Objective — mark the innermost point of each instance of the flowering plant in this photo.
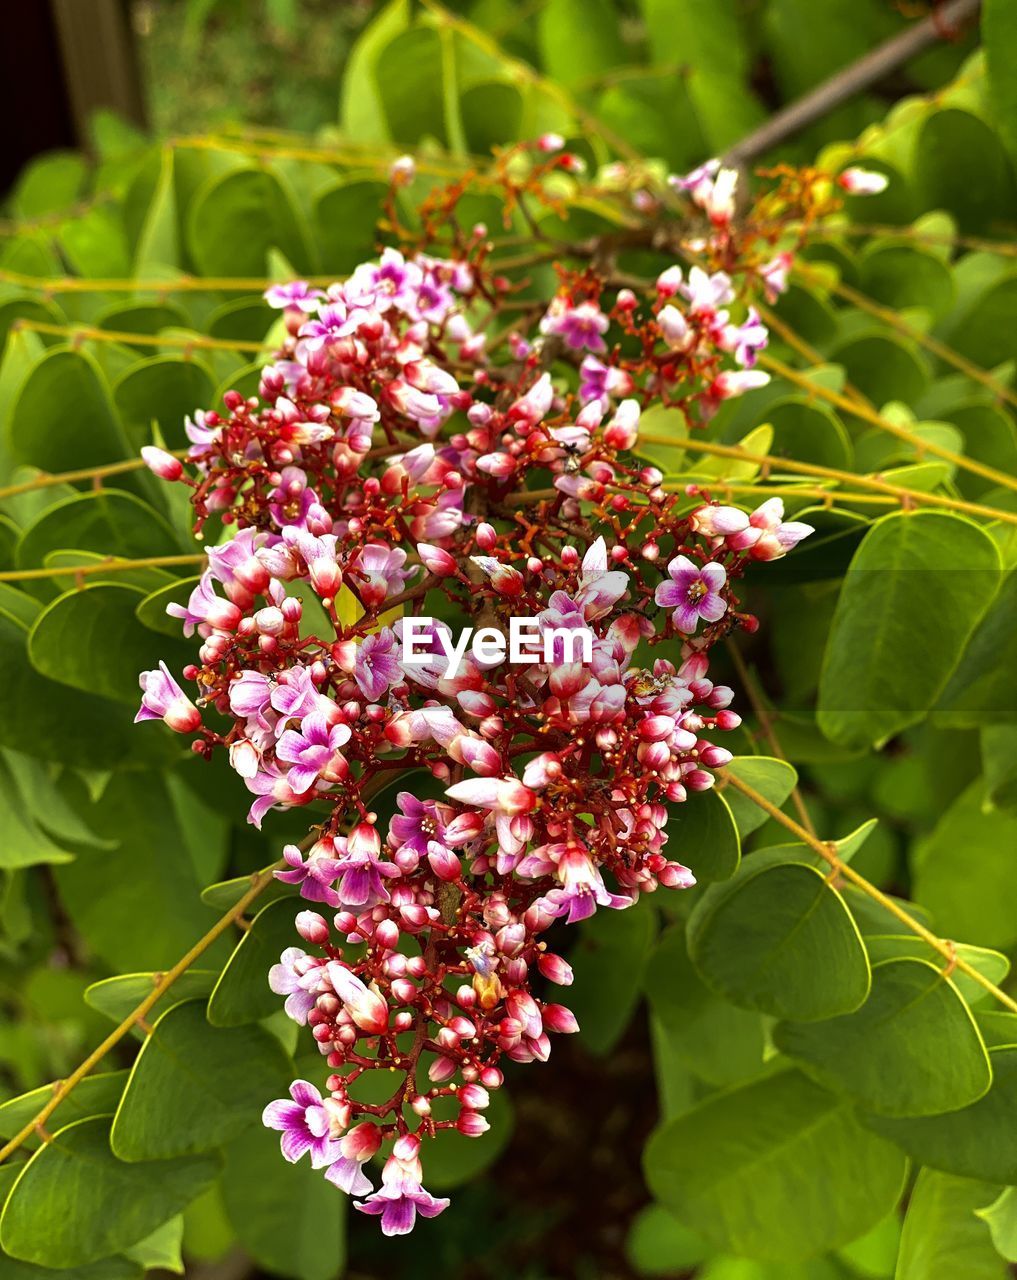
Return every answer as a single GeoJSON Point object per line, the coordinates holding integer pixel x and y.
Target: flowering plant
{"type": "Point", "coordinates": [390, 460]}
{"type": "Point", "coordinates": [598, 619]}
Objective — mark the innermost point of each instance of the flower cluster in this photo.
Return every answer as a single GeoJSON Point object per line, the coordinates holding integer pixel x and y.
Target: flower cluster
{"type": "Point", "coordinates": [399, 462]}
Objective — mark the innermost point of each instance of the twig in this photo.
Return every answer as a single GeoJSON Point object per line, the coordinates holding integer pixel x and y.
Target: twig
{"type": "Point", "coordinates": [259, 883]}
{"type": "Point", "coordinates": [89, 333]}
{"type": "Point", "coordinates": [890, 317]}
{"type": "Point", "coordinates": [916, 497]}
{"type": "Point", "coordinates": [844, 869]}
{"type": "Point", "coordinates": [111, 565]}
{"type": "Point", "coordinates": [852, 80]}
{"type": "Point", "coordinates": [878, 420]}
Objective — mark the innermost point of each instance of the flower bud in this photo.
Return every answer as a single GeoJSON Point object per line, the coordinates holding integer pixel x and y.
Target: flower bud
{"type": "Point", "coordinates": [161, 463]}
{"type": "Point", "coordinates": [312, 927]}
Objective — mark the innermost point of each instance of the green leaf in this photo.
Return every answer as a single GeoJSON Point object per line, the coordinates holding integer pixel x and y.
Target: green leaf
{"type": "Point", "coordinates": [227, 893]}
{"type": "Point", "coordinates": [49, 184]}
{"type": "Point", "coordinates": [346, 220]}
{"type": "Point", "coordinates": [93, 1096]}
{"type": "Point", "coordinates": [578, 40]}
{"type": "Point", "coordinates": [960, 166]}
{"type": "Point", "coordinates": [883, 367]}
{"type": "Point", "coordinates": [979, 1141]}
{"type": "Point", "coordinates": [137, 906]}
{"type": "Point", "coordinates": [117, 997]}
{"type": "Point", "coordinates": [730, 1168]}
{"type": "Point", "coordinates": [104, 520]}
{"type": "Point", "coordinates": [242, 993]}
{"type": "Point", "coordinates": [193, 1086]}
{"type": "Point", "coordinates": [774, 779]}
{"type": "Point", "coordinates": [999, 756]}
{"type": "Point", "coordinates": [454, 1160]}
{"type": "Point", "coordinates": [993, 964]}
{"type": "Point", "coordinates": [361, 110]}
{"type": "Point", "coordinates": [902, 275]}
{"type": "Point", "coordinates": [1001, 1216]}
{"type": "Point", "coordinates": [492, 115]}
{"type": "Point", "coordinates": [808, 432]}
{"type": "Point", "coordinates": [288, 1218]}
{"type": "Point", "coordinates": [157, 244]}
{"type": "Point", "coordinates": [943, 1239]}
{"type": "Point", "coordinates": [999, 36]}
{"type": "Point", "coordinates": [963, 871]}
{"type": "Point", "coordinates": [164, 389]}
{"type": "Point", "coordinates": [52, 722]}
{"type": "Point", "coordinates": [694, 1028]}
{"type": "Point", "coordinates": [25, 841]}
{"type": "Point", "coordinates": [161, 1250]}
{"type": "Point", "coordinates": [704, 836]}
{"type": "Point", "coordinates": [658, 1244]}
{"type": "Point", "coordinates": [981, 689]}
{"type": "Point", "coordinates": [874, 1255]}
{"type": "Point", "coordinates": [609, 961]}
{"type": "Point", "coordinates": [90, 639]}
{"type": "Point", "coordinates": [44, 432]}
{"type": "Point", "coordinates": [236, 219]}
{"type": "Point", "coordinates": [932, 569]}
{"type": "Point", "coordinates": [410, 87]}
{"type": "Point", "coordinates": [912, 1049]}
{"type": "Point", "coordinates": [108, 1269]}
{"type": "Point", "coordinates": [778, 937]}
{"type": "Point", "coordinates": [151, 612]}
{"type": "Point", "coordinates": [706, 34]}
{"type": "Point", "coordinates": [75, 1202]}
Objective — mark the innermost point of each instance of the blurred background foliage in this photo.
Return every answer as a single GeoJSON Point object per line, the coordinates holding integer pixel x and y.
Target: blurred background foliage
{"type": "Point", "coordinates": [126, 301]}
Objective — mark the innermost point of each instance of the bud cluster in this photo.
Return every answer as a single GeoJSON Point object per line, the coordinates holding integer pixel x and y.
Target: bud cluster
{"type": "Point", "coordinates": [398, 461]}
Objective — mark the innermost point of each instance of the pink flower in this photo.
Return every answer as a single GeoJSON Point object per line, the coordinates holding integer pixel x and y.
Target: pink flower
{"type": "Point", "coordinates": [204, 609]}
{"type": "Point", "coordinates": [376, 668]}
{"type": "Point", "coordinates": [768, 536]}
{"type": "Point", "coordinates": [367, 1009]}
{"type": "Point", "coordinates": [401, 1196]}
{"type": "Point", "coordinates": [305, 1125]}
{"type": "Point", "coordinates": [287, 979]}
{"type": "Point", "coordinates": [163, 699]}
{"type": "Point", "coordinates": [313, 751]}
{"type": "Point", "coordinates": [581, 325]}
{"type": "Point", "coordinates": [692, 593]}
{"type": "Point", "coordinates": [315, 876]}
{"type": "Point", "coordinates": [378, 573]}
{"type": "Point", "coordinates": [297, 294]}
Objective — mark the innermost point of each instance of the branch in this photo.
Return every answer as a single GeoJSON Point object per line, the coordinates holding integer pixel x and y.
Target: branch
{"type": "Point", "coordinates": [889, 317]}
{"type": "Point", "coordinates": [259, 883]}
{"type": "Point", "coordinates": [844, 869]}
{"type": "Point", "coordinates": [766, 461]}
{"type": "Point", "coordinates": [853, 80]}
{"type": "Point", "coordinates": [112, 565]}
{"type": "Point", "coordinates": [892, 428]}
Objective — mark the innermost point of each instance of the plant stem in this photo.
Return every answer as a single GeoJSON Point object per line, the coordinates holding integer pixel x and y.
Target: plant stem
{"type": "Point", "coordinates": [45, 478]}
{"type": "Point", "coordinates": [259, 883]}
{"type": "Point", "coordinates": [89, 333]}
{"type": "Point", "coordinates": [844, 869]}
{"type": "Point", "coordinates": [852, 80]}
{"type": "Point", "coordinates": [767, 460]}
{"type": "Point", "coordinates": [878, 420]}
{"type": "Point", "coordinates": [940, 349]}
{"type": "Point", "coordinates": [111, 565]}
